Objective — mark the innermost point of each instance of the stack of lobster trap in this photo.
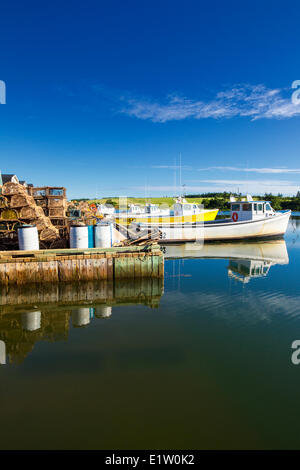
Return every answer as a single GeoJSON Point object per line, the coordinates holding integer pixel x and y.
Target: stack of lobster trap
{"type": "Point", "coordinates": [53, 201]}
{"type": "Point", "coordinates": [43, 207]}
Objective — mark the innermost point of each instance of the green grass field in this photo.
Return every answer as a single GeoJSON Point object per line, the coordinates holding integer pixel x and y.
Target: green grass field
{"type": "Point", "coordinates": [211, 201]}
{"type": "Point", "coordinates": [169, 201]}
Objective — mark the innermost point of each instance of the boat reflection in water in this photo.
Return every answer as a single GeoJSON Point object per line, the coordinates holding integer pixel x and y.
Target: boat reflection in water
{"type": "Point", "coordinates": [45, 312]}
{"type": "Point", "coordinates": [243, 270]}
{"type": "Point", "coordinates": [246, 260]}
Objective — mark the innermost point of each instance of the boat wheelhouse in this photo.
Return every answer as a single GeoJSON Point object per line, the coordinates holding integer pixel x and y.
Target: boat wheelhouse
{"type": "Point", "coordinates": [251, 210]}
{"type": "Point", "coordinates": [154, 210]}
{"type": "Point", "coordinates": [136, 209]}
{"type": "Point", "coordinates": [184, 208]}
{"type": "Point", "coordinates": [105, 209]}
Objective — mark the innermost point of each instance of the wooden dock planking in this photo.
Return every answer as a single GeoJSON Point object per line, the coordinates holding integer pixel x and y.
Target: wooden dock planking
{"type": "Point", "coordinates": [21, 267]}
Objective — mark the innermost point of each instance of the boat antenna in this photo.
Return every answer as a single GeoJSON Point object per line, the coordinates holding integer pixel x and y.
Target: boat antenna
{"type": "Point", "coordinates": [180, 174]}
{"type": "Point", "coordinates": [175, 177]}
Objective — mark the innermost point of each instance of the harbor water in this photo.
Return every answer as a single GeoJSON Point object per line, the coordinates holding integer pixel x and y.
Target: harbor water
{"type": "Point", "coordinates": [205, 361]}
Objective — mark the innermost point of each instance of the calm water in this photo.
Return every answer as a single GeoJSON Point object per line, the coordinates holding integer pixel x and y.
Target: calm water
{"type": "Point", "coordinates": [203, 362]}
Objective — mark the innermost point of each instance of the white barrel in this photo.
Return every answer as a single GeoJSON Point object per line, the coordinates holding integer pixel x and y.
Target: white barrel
{"type": "Point", "coordinates": [2, 353]}
{"type": "Point", "coordinates": [31, 321]}
{"type": "Point", "coordinates": [104, 235]}
{"type": "Point", "coordinates": [28, 238]}
{"type": "Point", "coordinates": [103, 311]}
{"type": "Point", "coordinates": [79, 236]}
{"type": "Point", "coordinates": [81, 317]}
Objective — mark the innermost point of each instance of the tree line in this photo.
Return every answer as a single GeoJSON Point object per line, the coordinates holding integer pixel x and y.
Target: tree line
{"type": "Point", "coordinates": [221, 200]}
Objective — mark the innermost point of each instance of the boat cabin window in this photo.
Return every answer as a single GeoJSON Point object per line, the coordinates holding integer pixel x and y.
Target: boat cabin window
{"type": "Point", "coordinates": [235, 207]}
{"type": "Point", "coordinates": [247, 207]}
{"type": "Point", "coordinates": [259, 207]}
{"type": "Point", "coordinates": [255, 207]}
{"type": "Point", "coordinates": [268, 207]}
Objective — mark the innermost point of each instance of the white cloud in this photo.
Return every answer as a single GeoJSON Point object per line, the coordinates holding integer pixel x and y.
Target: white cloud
{"type": "Point", "coordinates": [263, 182]}
{"type": "Point", "coordinates": [254, 170]}
{"type": "Point", "coordinates": [254, 101]}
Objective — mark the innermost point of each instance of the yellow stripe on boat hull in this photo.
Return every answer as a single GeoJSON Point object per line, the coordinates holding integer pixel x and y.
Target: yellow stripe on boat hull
{"type": "Point", "coordinates": [165, 219]}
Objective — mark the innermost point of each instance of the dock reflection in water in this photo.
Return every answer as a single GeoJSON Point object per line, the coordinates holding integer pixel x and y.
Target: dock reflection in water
{"type": "Point", "coordinates": [209, 368]}
{"type": "Point", "coordinates": [45, 312]}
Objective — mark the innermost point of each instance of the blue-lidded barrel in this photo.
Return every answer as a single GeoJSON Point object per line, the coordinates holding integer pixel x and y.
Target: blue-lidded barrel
{"type": "Point", "coordinates": [79, 236]}
{"type": "Point", "coordinates": [91, 236]}
{"type": "Point", "coordinates": [28, 238]}
{"type": "Point", "coordinates": [92, 313]}
{"type": "Point", "coordinates": [104, 235]}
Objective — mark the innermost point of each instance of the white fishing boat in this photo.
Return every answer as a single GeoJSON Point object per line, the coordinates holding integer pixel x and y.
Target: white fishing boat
{"type": "Point", "coordinates": [136, 209]}
{"type": "Point", "coordinates": [104, 209]}
{"type": "Point", "coordinates": [149, 210]}
{"type": "Point", "coordinates": [183, 212]}
{"type": "Point", "coordinates": [248, 220]}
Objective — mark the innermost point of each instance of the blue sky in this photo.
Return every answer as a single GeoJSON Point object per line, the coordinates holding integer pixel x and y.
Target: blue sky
{"type": "Point", "coordinates": [103, 97]}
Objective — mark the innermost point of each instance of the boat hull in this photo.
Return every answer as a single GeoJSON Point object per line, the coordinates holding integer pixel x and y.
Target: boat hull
{"type": "Point", "coordinates": [155, 220]}
{"type": "Point", "coordinates": [269, 227]}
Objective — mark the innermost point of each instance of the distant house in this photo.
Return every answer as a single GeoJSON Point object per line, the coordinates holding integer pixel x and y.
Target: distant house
{"type": "Point", "coordinates": [9, 178]}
